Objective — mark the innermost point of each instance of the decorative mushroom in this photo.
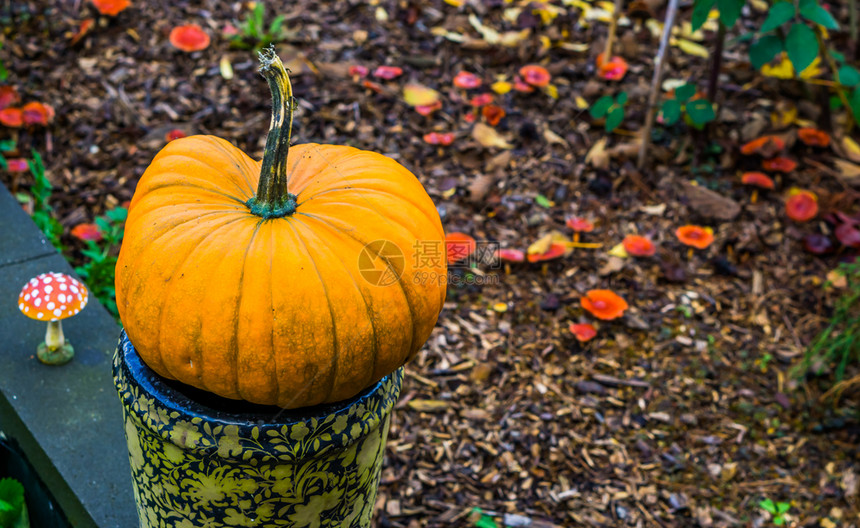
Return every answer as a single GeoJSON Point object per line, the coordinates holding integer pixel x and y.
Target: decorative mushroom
{"type": "Point", "coordinates": [466, 80]}
{"type": "Point", "coordinates": [508, 256]}
{"type": "Point", "coordinates": [759, 180]}
{"type": "Point", "coordinates": [555, 250]}
{"type": "Point", "coordinates": [779, 164]}
{"type": "Point", "coordinates": [767, 146]}
{"type": "Point", "coordinates": [111, 7]}
{"type": "Point", "coordinates": [535, 75]}
{"type": "Point", "coordinates": [612, 70]}
{"type": "Point", "coordinates": [801, 205]}
{"type": "Point", "coordinates": [52, 297]}
{"type": "Point", "coordinates": [583, 332]}
{"type": "Point", "coordinates": [813, 137]}
{"type": "Point", "coordinates": [604, 304]}
{"type": "Point", "coordinates": [579, 225]}
{"type": "Point", "coordinates": [695, 236]}
{"type": "Point", "coordinates": [189, 37]}
{"type": "Point", "coordinates": [639, 246]}
{"type": "Point", "coordinates": [458, 246]}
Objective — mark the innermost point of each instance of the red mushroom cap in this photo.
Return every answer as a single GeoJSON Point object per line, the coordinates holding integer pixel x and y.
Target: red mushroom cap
{"type": "Point", "coordinates": [111, 7]}
{"type": "Point", "coordinates": [357, 70]}
{"type": "Point", "coordinates": [779, 164]}
{"type": "Point", "coordinates": [481, 99]}
{"type": "Point", "coordinates": [604, 304]}
{"type": "Point", "coordinates": [189, 37]}
{"type": "Point", "coordinates": [583, 332]}
{"type": "Point", "coordinates": [758, 179]}
{"type": "Point", "coordinates": [493, 114]}
{"type": "Point", "coordinates": [801, 206]}
{"type": "Point", "coordinates": [12, 117]}
{"type": "Point", "coordinates": [467, 80]}
{"type": "Point", "coordinates": [535, 75]}
{"type": "Point", "coordinates": [458, 246]}
{"type": "Point", "coordinates": [388, 72]}
{"type": "Point", "coordinates": [614, 70]}
{"type": "Point", "coordinates": [639, 246]}
{"type": "Point", "coordinates": [37, 113]}
{"type": "Point", "coordinates": [17, 165]}
{"type": "Point", "coordinates": [814, 137]}
{"type": "Point", "coordinates": [555, 250]}
{"type": "Point", "coordinates": [437, 138]}
{"type": "Point", "coordinates": [8, 96]}
{"type": "Point", "coordinates": [174, 134]}
{"type": "Point", "coordinates": [696, 236]}
{"type": "Point", "coordinates": [522, 86]}
{"type": "Point", "coordinates": [765, 145]}
{"type": "Point", "coordinates": [52, 296]}
{"type": "Point", "coordinates": [580, 225]}
{"type": "Point", "coordinates": [511, 255]}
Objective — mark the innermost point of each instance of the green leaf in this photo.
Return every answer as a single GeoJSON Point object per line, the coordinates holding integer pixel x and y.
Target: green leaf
{"type": "Point", "coordinates": [849, 76]}
{"type": "Point", "coordinates": [817, 14]}
{"type": "Point", "coordinates": [685, 92]}
{"type": "Point", "coordinates": [835, 102]}
{"type": "Point", "coordinates": [855, 104]}
{"type": "Point", "coordinates": [730, 11]}
{"type": "Point", "coordinates": [764, 50]}
{"type": "Point", "coordinates": [801, 46]}
{"type": "Point", "coordinates": [601, 107]}
{"type": "Point", "coordinates": [621, 98]}
{"type": "Point", "coordinates": [701, 10]}
{"type": "Point", "coordinates": [614, 119]}
{"type": "Point", "coordinates": [783, 507]}
{"type": "Point", "coordinates": [777, 15]}
{"type": "Point", "coordinates": [543, 201]}
{"type": "Point", "coordinates": [836, 55]}
{"type": "Point", "coordinates": [4, 73]}
{"type": "Point", "coordinates": [779, 520]}
{"type": "Point", "coordinates": [7, 145]}
{"type": "Point", "coordinates": [671, 111]}
{"type": "Point", "coordinates": [117, 214]}
{"type": "Point", "coordinates": [701, 111]}
{"type": "Point", "coordinates": [486, 522]}
{"type": "Point", "coordinates": [768, 505]}
{"type": "Point", "coordinates": [11, 501]}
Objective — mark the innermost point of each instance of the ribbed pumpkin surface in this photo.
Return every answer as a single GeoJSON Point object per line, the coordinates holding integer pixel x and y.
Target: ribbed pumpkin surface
{"type": "Point", "coordinates": [278, 311]}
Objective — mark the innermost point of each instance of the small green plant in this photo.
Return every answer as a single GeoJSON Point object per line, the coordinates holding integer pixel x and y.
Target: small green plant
{"type": "Point", "coordinates": [697, 112]}
{"type": "Point", "coordinates": [776, 509]}
{"type": "Point", "coordinates": [611, 108]}
{"type": "Point", "coordinates": [4, 73]}
{"type": "Point", "coordinates": [840, 341]}
{"type": "Point", "coordinates": [253, 32]}
{"type": "Point", "coordinates": [11, 503]}
{"type": "Point", "coordinates": [99, 269]}
{"type": "Point", "coordinates": [41, 191]}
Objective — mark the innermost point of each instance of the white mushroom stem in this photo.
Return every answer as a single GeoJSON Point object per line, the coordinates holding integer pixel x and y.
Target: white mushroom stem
{"type": "Point", "coordinates": [54, 338]}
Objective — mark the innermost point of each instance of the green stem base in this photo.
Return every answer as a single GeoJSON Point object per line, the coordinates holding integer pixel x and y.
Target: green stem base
{"type": "Point", "coordinates": [58, 356]}
{"type": "Point", "coordinates": [268, 211]}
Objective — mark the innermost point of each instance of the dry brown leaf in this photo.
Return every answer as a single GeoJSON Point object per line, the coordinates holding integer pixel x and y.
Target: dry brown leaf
{"type": "Point", "coordinates": [850, 148]}
{"type": "Point", "coordinates": [551, 137]}
{"type": "Point", "coordinates": [597, 155]}
{"type": "Point", "coordinates": [428, 405]}
{"type": "Point", "coordinates": [487, 136]}
{"type": "Point", "coordinates": [850, 171]}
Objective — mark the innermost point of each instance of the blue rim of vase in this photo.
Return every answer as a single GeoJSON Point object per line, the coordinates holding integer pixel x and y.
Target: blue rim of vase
{"type": "Point", "coordinates": [255, 423]}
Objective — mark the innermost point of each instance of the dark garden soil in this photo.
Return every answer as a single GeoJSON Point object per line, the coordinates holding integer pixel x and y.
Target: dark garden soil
{"type": "Point", "coordinates": [681, 413]}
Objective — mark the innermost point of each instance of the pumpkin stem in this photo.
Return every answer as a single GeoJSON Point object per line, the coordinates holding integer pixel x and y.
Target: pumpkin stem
{"type": "Point", "coordinates": [273, 200]}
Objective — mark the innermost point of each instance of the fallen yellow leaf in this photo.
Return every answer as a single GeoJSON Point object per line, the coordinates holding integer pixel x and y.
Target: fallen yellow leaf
{"type": "Point", "coordinates": [619, 251]}
{"type": "Point", "coordinates": [501, 87]}
{"type": "Point", "coordinates": [428, 405]}
{"type": "Point", "coordinates": [419, 95]}
{"type": "Point", "coordinates": [691, 48]}
{"type": "Point", "coordinates": [852, 149]}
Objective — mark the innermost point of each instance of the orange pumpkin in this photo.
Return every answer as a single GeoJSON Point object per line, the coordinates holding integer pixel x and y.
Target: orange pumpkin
{"type": "Point", "coordinates": [281, 297]}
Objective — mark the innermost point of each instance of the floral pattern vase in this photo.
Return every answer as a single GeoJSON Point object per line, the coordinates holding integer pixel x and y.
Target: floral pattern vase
{"type": "Point", "coordinates": [195, 466]}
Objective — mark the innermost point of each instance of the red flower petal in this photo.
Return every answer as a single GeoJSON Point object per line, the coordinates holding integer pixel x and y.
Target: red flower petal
{"type": "Point", "coordinates": [438, 138]}
{"type": "Point", "coordinates": [37, 114]}
{"type": "Point", "coordinates": [87, 232]}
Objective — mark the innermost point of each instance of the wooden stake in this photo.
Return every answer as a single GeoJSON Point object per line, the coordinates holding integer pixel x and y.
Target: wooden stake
{"type": "Point", "coordinates": [655, 83]}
